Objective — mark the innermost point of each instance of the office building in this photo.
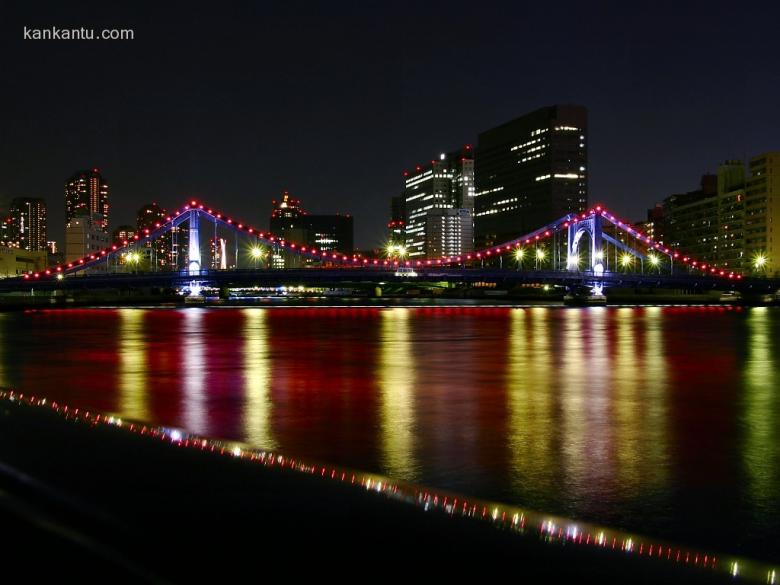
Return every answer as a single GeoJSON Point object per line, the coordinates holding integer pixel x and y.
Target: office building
{"type": "Point", "coordinates": [529, 172]}
{"type": "Point", "coordinates": [291, 222]}
{"type": "Point", "coordinates": [446, 184]}
{"type": "Point", "coordinates": [448, 232]}
{"type": "Point", "coordinates": [27, 227]}
{"type": "Point", "coordinates": [86, 194]}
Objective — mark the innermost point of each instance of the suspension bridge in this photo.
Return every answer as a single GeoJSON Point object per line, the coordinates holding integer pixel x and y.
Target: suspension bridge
{"type": "Point", "coordinates": [594, 249]}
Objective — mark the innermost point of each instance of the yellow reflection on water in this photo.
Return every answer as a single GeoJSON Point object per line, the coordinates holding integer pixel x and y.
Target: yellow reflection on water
{"type": "Point", "coordinates": [640, 409]}
{"type": "Point", "coordinates": [257, 380]}
{"type": "Point", "coordinates": [194, 406]}
{"type": "Point", "coordinates": [396, 377]}
{"type": "Point", "coordinates": [530, 400]}
{"type": "Point", "coordinates": [574, 401]}
{"type": "Point", "coordinates": [760, 386]}
{"type": "Point", "coordinates": [655, 410]}
{"type": "Point", "coordinates": [133, 366]}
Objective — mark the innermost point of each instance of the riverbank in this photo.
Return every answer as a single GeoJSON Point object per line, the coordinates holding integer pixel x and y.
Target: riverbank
{"type": "Point", "coordinates": [621, 298]}
{"type": "Point", "coordinates": [85, 494]}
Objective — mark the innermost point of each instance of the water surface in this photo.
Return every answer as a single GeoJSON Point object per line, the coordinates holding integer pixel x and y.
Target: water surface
{"type": "Point", "coordinates": [654, 420]}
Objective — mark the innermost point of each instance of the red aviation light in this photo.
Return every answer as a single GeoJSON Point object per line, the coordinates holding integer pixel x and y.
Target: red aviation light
{"type": "Point", "coordinates": [598, 208]}
{"type": "Point", "coordinates": [26, 276]}
{"type": "Point", "coordinates": [193, 203]}
{"type": "Point", "coordinates": [250, 230]}
{"type": "Point", "coordinates": [468, 257]}
{"type": "Point", "coordinates": [59, 268]}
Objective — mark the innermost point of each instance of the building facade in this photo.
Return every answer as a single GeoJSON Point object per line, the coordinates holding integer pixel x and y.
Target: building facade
{"type": "Point", "coordinates": [439, 195]}
{"type": "Point", "coordinates": [529, 172]}
{"type": "Point", "coordinates": [15, 261]}
{"type": "Point", "coordinates": [86, 194]}
{"type": "Point", "coordinates": [290, 222]}
{"type": "Point", "coordinates": [730, 220]}
{"type": "Point", "coordinates": [84, 236]}
{"type": "Point", "coordinates": [449, 232]}
{"type": "Point", "coordinates": [27, 227]}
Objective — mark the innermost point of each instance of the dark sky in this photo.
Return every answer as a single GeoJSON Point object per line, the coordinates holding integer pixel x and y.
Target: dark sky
{"type": "Point", "coordinates": [236, 101]}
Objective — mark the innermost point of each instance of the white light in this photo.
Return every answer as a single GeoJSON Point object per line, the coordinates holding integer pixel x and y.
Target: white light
{"type": "Point", "coordinates": [175, 435]}
{"type": "Point", "coordinates": [441, 156]}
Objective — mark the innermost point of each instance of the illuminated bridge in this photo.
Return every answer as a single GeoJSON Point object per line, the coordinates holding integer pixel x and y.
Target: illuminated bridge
{"type": "Point", "coordinates": [593, 249]}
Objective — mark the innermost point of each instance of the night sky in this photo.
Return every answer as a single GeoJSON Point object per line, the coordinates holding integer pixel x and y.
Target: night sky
{"type": "Point", "coordinates": [237, 101]}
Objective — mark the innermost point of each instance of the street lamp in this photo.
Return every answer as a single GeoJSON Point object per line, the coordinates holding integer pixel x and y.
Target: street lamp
{"type": "Point", "coordinates": [626, 260]}
{"type": "Point", "coordinates": [655, 261]}
{"type": "Point", "coordinates": [256, 253]}
{"type": "Point", "coordinates": [540, 256]}
{"type": "Point", "coordinates": [759, 261]}
{"type": "Point", "coordinates": [519, 255]}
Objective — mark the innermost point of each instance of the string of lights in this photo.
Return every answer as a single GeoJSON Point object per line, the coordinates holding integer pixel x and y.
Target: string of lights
{"type": "Point", "coordinates": [334, 257]}
{"type": "Point", "coordinates": [545, 527]}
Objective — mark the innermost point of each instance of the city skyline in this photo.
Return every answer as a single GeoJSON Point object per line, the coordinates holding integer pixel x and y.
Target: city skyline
{"type": "Point", "coordinates": [232, 126]}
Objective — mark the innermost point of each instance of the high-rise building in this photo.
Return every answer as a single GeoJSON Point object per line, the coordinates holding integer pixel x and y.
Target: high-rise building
{"type": "Point", "coordinates": [444, 185]}
{"type": "Point", "coordinates": [448, 232]}
{"type": "Point", "coordinates": [28, 223]}
{"type": "Point", "coordinates": [160, 251]}
{"type": "Point", "coordinates": [729, 221]}
{"type": "Point", "coordinates": [530, 171]}
{"type": "Point", "coordinates": [325, 232]}
{"type": "Point", "coordinates": [692, 218]}
{"type": "Point", "coordinates": [762, 213]}
{"type": "Point", "coordinates": [86, 194]}
{"type": "Point", "coordinates": [123, 234]}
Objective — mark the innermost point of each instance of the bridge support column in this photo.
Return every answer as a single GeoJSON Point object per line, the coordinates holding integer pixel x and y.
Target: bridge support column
{"type": "Point", "coordinates": [597, 250]}
{"type": "Point", "coordinates": [193, 264]}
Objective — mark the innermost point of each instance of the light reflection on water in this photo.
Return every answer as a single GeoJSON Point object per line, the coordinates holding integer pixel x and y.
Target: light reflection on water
{"type": "Point", "coordinates": [652, 419]}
